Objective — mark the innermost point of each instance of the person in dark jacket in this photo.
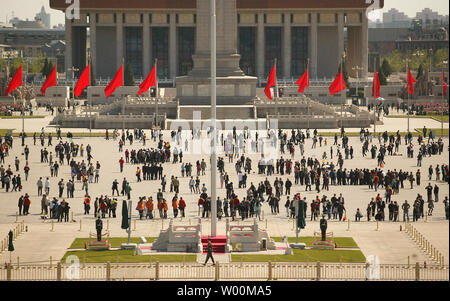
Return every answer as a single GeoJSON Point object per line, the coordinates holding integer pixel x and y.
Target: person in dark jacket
{"type": "Point", "coordinates": [209, 254]}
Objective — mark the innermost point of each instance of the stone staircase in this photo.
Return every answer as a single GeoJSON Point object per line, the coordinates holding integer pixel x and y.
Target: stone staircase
{"type": "Point", "coordinates": [218, 243]}
{"type": "Point", "coordinates": [222, 112]}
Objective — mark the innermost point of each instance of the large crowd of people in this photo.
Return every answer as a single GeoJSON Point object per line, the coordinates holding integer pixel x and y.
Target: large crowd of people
{"type": "Point", "coordinates": [285, 177]}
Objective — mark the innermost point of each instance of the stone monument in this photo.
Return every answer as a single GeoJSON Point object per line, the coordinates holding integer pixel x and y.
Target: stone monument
{"type": "Point", "coordinates": [98, 243]}
{"type": "Point", "coordinates": [233, 86]}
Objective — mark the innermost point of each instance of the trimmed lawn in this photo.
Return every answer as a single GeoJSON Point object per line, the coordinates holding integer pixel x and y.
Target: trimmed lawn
{"type": "Point", "coordinates": [437, 132]}
{"type": "Point", "coordinates": [63, 134]}
{"type": "Point", "coordinates": [342, 242]}
{"type": "Point", "coordinates": [125, 256]}
{"type": "Point", "coordinates": [115, 242]}
{"type": "Point", "coordinates": [20, 117]}
{"type": "Point", "coordinates": [306, 256]}
{"type": "Point", "coordinates": [438, 117]}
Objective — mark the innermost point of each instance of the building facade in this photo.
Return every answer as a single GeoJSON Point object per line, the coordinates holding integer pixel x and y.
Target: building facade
{"type": "Point", "coordinates": [292, 31]}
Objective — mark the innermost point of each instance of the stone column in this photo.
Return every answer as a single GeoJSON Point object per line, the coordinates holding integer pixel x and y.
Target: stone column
{"type": "Point", "coordinates": [313, 45]}
{"type": "Point", "coordinates": [364, 46]}
{"type": "Point", "coordinates": [340, 36]}
{"type": "Point", "coordinates": [202, 45]}
{"type": "Point", "coordinates": [146, 46]}
{"type": "Point", "coordinates": [287, 48]}
{"type": "Point", "coordinates": [68, 58]}
{"type": "Point", "coordinates": [260, 47]}
{"type": "Point", "coordinates": [173, 47]}
{"type": "Point", "coordinates": [93, 41]}
{"type": "Point", "coordinates": [119, 40]}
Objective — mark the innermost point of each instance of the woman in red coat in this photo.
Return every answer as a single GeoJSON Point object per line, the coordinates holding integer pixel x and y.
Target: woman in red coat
{"type": "Point", "coordinates": [182, 205]}
{"type": "Point", "coordinates": [26, 204]}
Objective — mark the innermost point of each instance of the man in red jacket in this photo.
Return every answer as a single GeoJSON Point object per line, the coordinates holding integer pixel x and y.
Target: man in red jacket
{"type": "Point", "coordinates": [182, 205]}
{"type": "Point", "coordinates": [121, 162]}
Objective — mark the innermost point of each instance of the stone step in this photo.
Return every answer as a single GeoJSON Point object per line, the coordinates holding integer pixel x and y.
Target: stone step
{"type": "Point", "coordinates": [222, 112]}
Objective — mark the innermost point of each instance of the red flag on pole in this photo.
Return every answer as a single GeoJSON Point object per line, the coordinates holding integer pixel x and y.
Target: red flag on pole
{"type": "Point", "coordinates": [303, 82]}
{"type": "Point", "coordinates": [16, 81]}
{"type": "Point", "coordinates": [376, 85]}
{"type": "Point", "coordinates": [270, 83]}
{"type": "Point", "coordinates": [444, 84]}
{"type": "Point", "coordinates": [50, 81]}
{"type": "Point", "coordinates": [410, 82]}
{"type": "Point", "coordinates": [338, 84]}
{"type": "Point", "coordinates": [116, 82]}
{"type": "Point", "coordinates": [149, 82]}
{"type": "Point", "coordinates": [83, 82]}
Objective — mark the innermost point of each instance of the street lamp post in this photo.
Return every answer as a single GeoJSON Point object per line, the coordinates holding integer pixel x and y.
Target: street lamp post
{"type": "Point", "coordinates": [357, 69]}
{"type": "Point", "coordinates": [73, 70]}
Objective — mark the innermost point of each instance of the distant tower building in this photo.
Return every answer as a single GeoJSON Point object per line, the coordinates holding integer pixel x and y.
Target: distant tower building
{"type": "Point", "coordinates": [44, 17]}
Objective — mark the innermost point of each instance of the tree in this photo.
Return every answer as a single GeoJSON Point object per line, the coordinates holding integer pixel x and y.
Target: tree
{"type": "Point", "coordinates": [37, 65]}
{"type": "Point", "coordinates": [382, 77]}
{"type": "Point", "coordinates": [440, 56]}
{"type": "Point", "coordinates": [419, 72]}
{"type": "Point", "coordinates": [344, 71]}
{"type": "Point", "coordinates": [50, 68]}
{"type": "Point", "coordinates": [129, 78]}
{"type": "Point", "coordinates": [15, 64]}
{"type": "Point", "coordinates": [387, 69]}
{"type": "Point", "coordinates": [92, 75]}
{"type": "Point", "coordinates": [44, 69]}
{"type": "Point", "coordinates": [395, 60]}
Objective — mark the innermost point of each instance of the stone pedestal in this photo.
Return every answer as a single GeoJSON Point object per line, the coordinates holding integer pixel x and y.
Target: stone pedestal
{"type": "Point", "coordinates": [231, 90]}
{"type": "Point", "coordinates": [99, 245]}
{"type": "Point", "coordinates": [233, 87]}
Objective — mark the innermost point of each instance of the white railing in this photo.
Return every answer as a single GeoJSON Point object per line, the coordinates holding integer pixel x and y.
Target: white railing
{"type": "Point", "coordinates": [224, 271]}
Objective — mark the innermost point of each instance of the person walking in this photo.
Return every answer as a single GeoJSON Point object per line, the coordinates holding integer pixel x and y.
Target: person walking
{"type": "Point", "coordinates": [209, 249]}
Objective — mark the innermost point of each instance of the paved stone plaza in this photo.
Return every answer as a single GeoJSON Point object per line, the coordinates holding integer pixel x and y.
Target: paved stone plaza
{"type": "Point", "coordinates": [388, 243]}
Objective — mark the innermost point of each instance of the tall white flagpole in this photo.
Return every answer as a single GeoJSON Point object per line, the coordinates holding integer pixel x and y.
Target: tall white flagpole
{"type": "Point", "coordinates": [213, 121]}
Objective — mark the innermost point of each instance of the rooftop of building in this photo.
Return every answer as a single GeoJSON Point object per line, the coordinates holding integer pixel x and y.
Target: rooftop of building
{"type": "Point", "coordinates": [191, 4]}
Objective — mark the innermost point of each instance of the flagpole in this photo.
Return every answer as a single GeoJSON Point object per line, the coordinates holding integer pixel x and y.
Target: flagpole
{"type": "Point", "coordinates": [90, 101]}
{"type": "Point", "coordinates": [442, 104]}
{"type": "Point", "coordinates": [213, 120]}
{"type": "Point", "coordinates": [156, 92]}
{"type": "Point", "coordinates": [342, 104]}
{"type": "Point", "coordinates": [443, 99]}
{"type": "Point", "coordinates": [276, 88]}
{"type": "Point", "coordinates": [374, 101]}
{"type": "Point", "coordinates": [309, 100]}
{"type": "Point", "coordinates": [123, 117]}
{"type": "Point", "coordinates": [407, 91]}
{"type": "Point", "coordinates": [23, 110]}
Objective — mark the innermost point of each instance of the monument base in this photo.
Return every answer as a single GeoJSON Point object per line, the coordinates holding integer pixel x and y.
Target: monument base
{"type": "Point", "coordinates": [323, 245]}
{"type": "Point", "coordinates": [230, 90]}
{"type": "Point", "coordinates": [99, 245]}
{"type": "Point", "coordinates": [128, 246]}
{"type": "Point", "coordinates": [300, 246]}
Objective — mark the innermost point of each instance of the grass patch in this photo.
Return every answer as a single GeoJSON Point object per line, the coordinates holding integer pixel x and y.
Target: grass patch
{"type": "Point", "coordinates": [306, 256]}
{"type": "Point", "coordinates": [342, 242]}
{"type": "Point", "coordinates": [115, 242]}
{"type": "Point", "coordinates": [438, 117]}
{"type": "Point", "coordinates": [20, 117]}
{"type": "Point", "coordinates": [437, 132]}
{"type": "Point", "coordinates": [3, 132]}
{"type": "Point", "coordinates": [125, 256]}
